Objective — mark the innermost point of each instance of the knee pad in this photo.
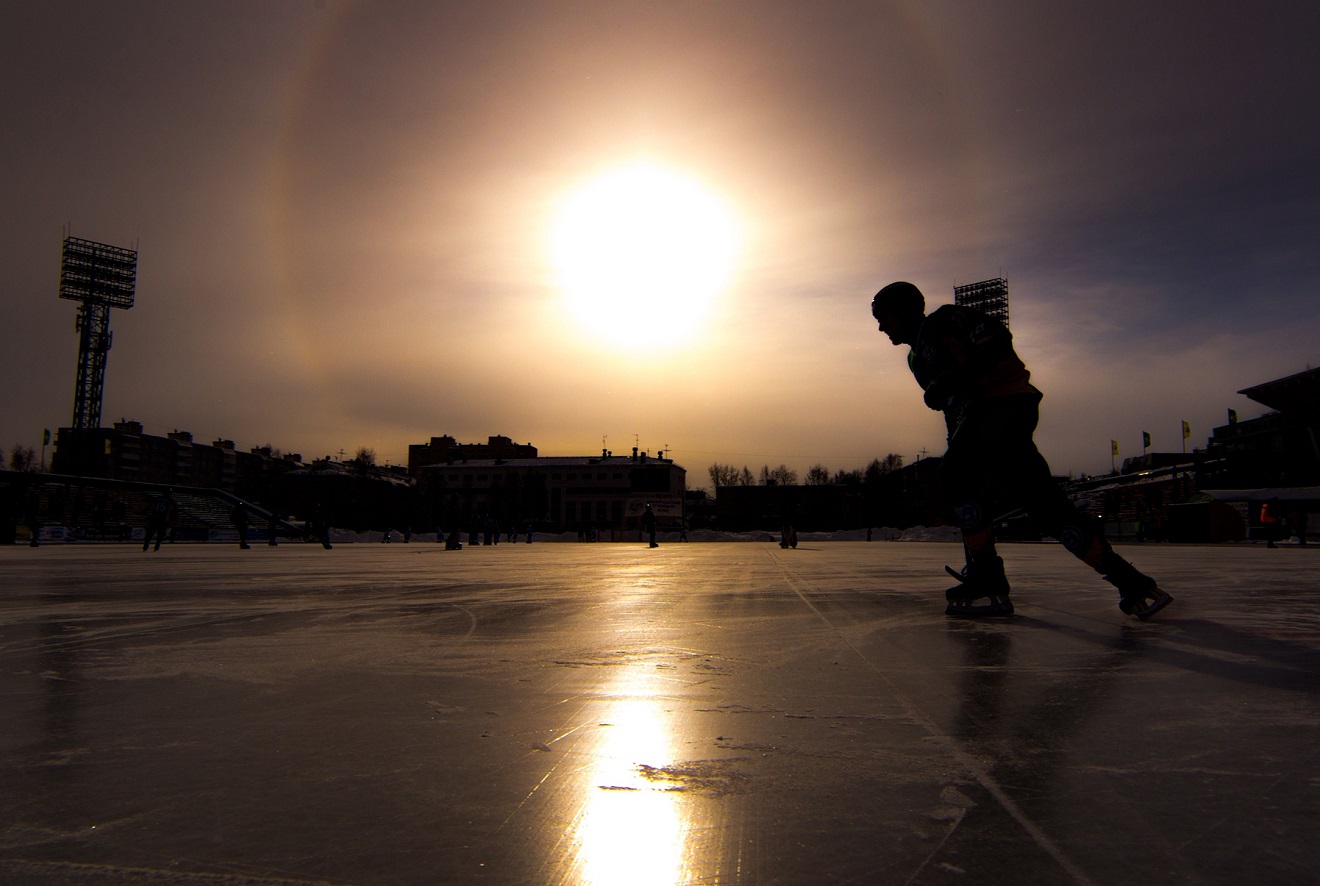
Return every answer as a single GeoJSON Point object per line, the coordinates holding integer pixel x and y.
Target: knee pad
{"type": "Point", "coordinates": [970, 515]}
{"type": "Point", "coordinates": [1074, 538]}
{"type": "Point", "coordinates": [1083, 540]}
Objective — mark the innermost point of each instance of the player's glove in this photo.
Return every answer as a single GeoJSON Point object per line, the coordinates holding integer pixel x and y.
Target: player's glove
{"type": "Point", "coordinates": [940, 392]}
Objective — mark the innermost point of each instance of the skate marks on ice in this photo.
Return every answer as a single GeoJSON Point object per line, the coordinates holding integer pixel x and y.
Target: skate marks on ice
{"type": "Point", "coordinates": [26, 871]}
{"type": "Point", "coordinates": [588, 714]}
{"type": "Point", "coordinates": [974, 767]}
{"type": "Point", "coordinates": [732, 755]}
{"type": "Point", "coordinates": [1124, 740]}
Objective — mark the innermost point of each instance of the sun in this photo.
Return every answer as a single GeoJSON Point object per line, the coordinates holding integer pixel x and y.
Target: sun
{"type": "Point", "coordinates": [642, 252]}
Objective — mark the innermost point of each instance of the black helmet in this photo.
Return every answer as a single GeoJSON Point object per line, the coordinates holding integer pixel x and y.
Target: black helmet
{"type": "Point", "coordinates": [901, 298]}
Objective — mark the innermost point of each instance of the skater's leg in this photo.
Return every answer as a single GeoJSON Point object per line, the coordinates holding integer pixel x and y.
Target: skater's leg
{"type": "Point", "coordinates": [1083, 536]}
{"type": "Point", "coordinates": [964, 475]}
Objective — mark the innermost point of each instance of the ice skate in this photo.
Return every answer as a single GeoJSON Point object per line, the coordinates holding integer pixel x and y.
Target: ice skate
{"type": "Point", "coordinates": [1138, 594]}
{"type": "Point", "coordinates": [979, 579]}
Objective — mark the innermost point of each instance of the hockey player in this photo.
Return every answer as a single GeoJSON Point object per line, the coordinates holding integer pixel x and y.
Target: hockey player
{"type": "Point", "coordinates": [966, 365]}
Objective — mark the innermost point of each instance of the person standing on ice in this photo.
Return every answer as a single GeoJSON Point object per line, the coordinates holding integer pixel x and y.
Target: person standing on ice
{"type": "Point", "coordinates": [239, 517]}
{"type": "Point", "coordinates": [648, 526]}
{"type": "Point", "coordinates": [966, 365]}
{"type": "Point", "coordinates": [160, 520]}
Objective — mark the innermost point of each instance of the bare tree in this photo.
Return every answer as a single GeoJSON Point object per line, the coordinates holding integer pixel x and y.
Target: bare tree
{"type": "Point", "coordinates": [818, 475]}
{"type": "Point", "coordinates": [847, 478]}
{"type": "Point", "coordinates": [878, 468]}
{"type": "Point", "coordinates": [723, 475]}
{"type": "Point", "coordinates": [22, 458]}
{"type": "Point", "coordinates": [364, 459]}
{"type": "Point", "coordinates": [746, 478]}
{"type": "Point", "coordinates": [780, 476]}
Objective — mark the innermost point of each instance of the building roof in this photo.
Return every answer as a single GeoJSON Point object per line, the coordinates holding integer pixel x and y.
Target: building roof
{"type": "Point", "coordinates": [1295, 393]}
{"type": "Point", "coordinates": [1281, 493]}
{"type": "Point", "coordinates": [555, 461]}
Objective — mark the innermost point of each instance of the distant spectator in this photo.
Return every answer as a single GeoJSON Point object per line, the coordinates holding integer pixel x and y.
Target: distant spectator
{"type": "Point", "coordinates": [33, 516]}
{"type": "Point", "coordinates": [319, 527]}
{"type": "Point", "coordinates": [239, 517]}
{"type": "Point", "coordinates": [648, 526]}
{"type": "Point", "coordinates": [160, 519]}
{"type": "Point", "coordinates": [1269, 521]}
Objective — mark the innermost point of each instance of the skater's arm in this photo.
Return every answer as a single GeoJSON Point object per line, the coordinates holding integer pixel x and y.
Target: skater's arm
{"type": "Point", "coordinates": [977, 349]}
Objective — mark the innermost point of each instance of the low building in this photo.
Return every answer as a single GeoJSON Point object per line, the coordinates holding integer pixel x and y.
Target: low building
{"type": "Point", "coordinates": [1279, 449]}
{"type": "Point", "coordinates": [555, 493]}
{"type": "Point", "coordinates": [126, 452]}
{"type": "Point", "coordinates": [1143, 501]}
{"type": "Point", "coordinates": [446, 450]}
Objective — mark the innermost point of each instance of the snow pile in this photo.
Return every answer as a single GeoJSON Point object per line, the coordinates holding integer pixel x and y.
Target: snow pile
{"type": "Point", "coordinates": [884, 533]}
{"type": "Point", "coordinates": [932, 533]}
{"type": "Point", "coordinates": [715, 535]}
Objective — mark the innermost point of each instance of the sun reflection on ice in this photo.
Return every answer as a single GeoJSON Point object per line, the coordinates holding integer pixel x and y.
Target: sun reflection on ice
{"type": "Point", "coordinates": [632, 829]}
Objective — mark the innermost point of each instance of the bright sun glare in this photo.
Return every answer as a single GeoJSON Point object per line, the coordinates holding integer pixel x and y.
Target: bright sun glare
{"type": "Point", "coordinates": [642, 252]}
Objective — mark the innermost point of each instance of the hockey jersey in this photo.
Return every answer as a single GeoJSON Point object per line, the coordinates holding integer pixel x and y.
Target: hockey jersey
{"type": "Point", "coordinates": [961, 356]}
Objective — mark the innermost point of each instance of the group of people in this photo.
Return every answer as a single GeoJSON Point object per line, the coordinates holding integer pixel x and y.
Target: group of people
{"type": "Point", "coordinates": [316, 528]}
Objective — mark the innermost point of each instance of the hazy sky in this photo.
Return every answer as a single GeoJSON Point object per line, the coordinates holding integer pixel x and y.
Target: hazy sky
{"type": "Point", "coordinates": [343, 212]}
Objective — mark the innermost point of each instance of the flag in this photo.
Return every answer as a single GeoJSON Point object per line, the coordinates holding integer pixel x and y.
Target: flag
{"type": "Point", "coordinates": [45, 436]}
{"type": "Point", "coordinates": [1232, 416]}
{"type": "Point", "coordinates": [1113, 447]}
{"type": "Point", "coordinates": [1187, 430]}
{"type": "Point", "coordinates": [1145, 439]}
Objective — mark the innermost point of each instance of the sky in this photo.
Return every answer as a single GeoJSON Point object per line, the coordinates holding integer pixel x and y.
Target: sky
{"type": "Point", "coordinates": [346, 213]}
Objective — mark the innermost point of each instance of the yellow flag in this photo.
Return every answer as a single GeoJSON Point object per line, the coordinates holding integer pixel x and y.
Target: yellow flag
{"type": "Point", "coordinates": [1113, 447]}
{"type": "Point", "coordinates": [1187, 430]}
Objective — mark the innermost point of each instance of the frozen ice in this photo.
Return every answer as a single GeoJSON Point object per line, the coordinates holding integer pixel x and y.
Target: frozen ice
{"type": "Point", "coordinates": [610, 713]}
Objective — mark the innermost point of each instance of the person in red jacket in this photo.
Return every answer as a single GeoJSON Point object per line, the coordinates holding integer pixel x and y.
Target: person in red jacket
{"type": "Point", "coordinates": [968, 370]}
{"type": "Point", "coordinates": [1269, 518]}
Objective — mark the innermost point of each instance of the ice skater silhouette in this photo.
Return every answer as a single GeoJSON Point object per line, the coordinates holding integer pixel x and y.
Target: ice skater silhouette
{"type": "Point", "coordinates": [160, 519]}
{"type": "Point", "coordinates": [966, 365]}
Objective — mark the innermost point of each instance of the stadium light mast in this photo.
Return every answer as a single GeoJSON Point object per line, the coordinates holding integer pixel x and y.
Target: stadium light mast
{"type": "Point", "coordinates": [990, 297]}
{"type": "Point", "coordinates": [99, 277]}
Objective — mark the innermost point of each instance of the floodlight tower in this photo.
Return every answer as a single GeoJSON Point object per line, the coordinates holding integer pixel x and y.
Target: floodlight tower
{"type": "Point", "coordinates": [990, 297]}
{"type": "Point", "coordinates": [99, 277]}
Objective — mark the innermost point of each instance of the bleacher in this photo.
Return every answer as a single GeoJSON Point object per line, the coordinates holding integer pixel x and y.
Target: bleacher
{"type": "Point", "coordinates": [92, 509]}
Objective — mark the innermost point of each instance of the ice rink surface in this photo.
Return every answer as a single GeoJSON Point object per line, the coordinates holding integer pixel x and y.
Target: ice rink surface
{"type": "Point", "coordinates": [610, 714]}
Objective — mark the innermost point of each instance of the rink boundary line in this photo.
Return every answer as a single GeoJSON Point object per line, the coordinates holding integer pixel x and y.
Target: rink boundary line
{"type": "Point", "coordinates": [979, 772]}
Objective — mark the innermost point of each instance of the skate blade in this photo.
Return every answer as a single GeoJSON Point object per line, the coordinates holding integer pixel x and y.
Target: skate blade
{"type": "Point", "coordinates": [995, 609]}
{"type": "Point", "coordinates": [1145, 610]}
